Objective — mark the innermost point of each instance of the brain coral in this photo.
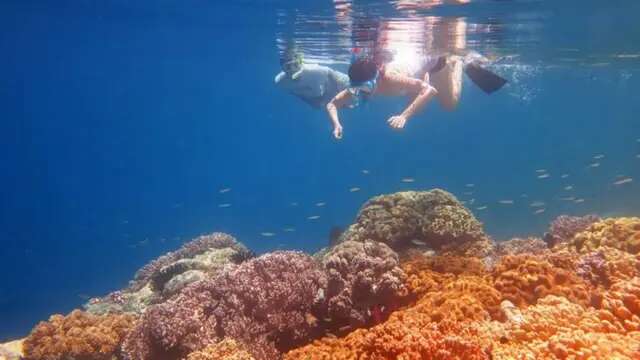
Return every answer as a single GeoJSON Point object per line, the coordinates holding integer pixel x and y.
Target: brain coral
{"type": "Point", "coordinates": [434, 217]}
{"type": "Point", "coordinates": [619, 233]}
{"type": "Point", "coordinates": [267, 303]}
{"type": "Point", "coordinates": [565, 227]}
{"type": "Point", "coordinates": [79, 336]}
{"type": "Point", "coordinates": [524, 279]}
{"type": "Point", "coordinates": [361, 276]}
{"type": "Point", "coordinates": [405, 336]}
{"type": "Point", "coordinates": [227, 349]}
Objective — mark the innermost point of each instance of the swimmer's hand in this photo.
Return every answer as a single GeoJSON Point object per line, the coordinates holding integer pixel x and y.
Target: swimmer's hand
{"type": "Point", "coordinates": [397, 122]}
{"type": "Point", "coordinates": [337, 132]}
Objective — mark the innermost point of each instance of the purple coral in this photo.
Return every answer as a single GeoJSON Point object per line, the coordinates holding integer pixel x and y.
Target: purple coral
{"type": "Point", "coordinates": [565, 227]}
{"type": "Point", "coordinates": [363, 277]}
{"type": "Point", "coordinates": [593, 268]}
{"type": "Point", "coordinates": [268, 303]}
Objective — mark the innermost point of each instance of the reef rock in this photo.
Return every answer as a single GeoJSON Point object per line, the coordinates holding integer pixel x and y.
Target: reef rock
{"type": "Point", "coordinates": [434, 218]}
{"type": "Point", "coordinates": [518, 246]}
{"type": "Point", "coordinates": [227, 349]}
{"type": "Point", "coordinates": [79, 335]}
{"type": "Point", "coordinates": [165, 276]}
{"type": "Point", "coordinates": [269, 304]}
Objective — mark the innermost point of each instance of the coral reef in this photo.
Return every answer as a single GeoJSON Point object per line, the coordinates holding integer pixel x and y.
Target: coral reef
{"type": "Point", "coordinates": [519, 246]}
{"type": "Point", "coordinates": [523, 279]}
{"type": "Point", "coordinates": [618, 233]}
{"type": "Point", "coordinates": [165, 276]}
{"type": "Point", "coordinates": [565, 227]}
{"type": "Point", "coordinates": [267, 303]}
{"type": "Point", "coordinates": [79, 335]}
{"type": "Point", "coordinates": [227, 349]}
{"type": "Point", "coordinates": [435, 218]}
{"type": "Point", "coordinates": [11, 350]}
{"type": "Point", "coordinates": [362, 276]}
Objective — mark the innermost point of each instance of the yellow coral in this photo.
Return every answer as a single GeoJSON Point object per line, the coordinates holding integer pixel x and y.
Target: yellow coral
{"type": "Point", "coordinates": [619, 233]}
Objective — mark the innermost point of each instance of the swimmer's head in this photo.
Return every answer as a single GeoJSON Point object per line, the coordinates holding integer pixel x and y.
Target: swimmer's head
{"type": "Point", "coordinates": [362, 70]}
{"type": "Point", "coordinates": [291, 63]}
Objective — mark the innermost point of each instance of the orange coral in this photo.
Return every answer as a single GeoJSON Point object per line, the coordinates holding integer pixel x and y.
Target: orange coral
{"type": "Point", "coordinates": [618, 233]}
{"type": "Point", "coordinates": [622, 301]}
{"type": "Point", "coordinates": [79, 335]}
{"type": "Point", "coordinates": [555, 328]}
{"type": "Point", "coordinates": [524, 279]}
{"type": "Point", "coordinates": [456, 265]}
{"type": "Point", "coordinates": [421, 279]}
{"type": "Point", "coordinates": [405, 336]}
{"type": "Point", "coordinates": [227, 349]}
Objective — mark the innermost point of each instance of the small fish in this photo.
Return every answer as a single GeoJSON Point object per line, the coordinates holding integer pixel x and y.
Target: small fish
{"type": "Point", "coordinates": [334, 235]}
{"type": "Point", "coordinates": [638, 156]}
{"type": "Point", "coordinates": [125, 222]}
{"type": "Point", "coordinates": [537, 204]}
{"type": "Point", "coordinates": [481, 208]}
{"type": "Point", "coordinates": [568, 187]}
{"type": "Point", "coordinates": [418, 242]}
{"type": "Point", "coordinates": [623, 181]}
{"type": "Point", "coordinates": [225, 190]}
{"type": "Point", "coordinates": [468, 192]}
{"type": "Point", "coordinates": [365, 172]}
{"type": "Point", "coordinates": [543, 176]}
{"type": "Point", "coordinates": [289, 229]}
{"type": "Point", "coordinates": [313, 217]}
{"type": "Point", "coordinates": [354, 189]}
{"type": "Point", "coordinates": [472, 201]}
{"type": "Point", "coordinates": [564, 176]}
{"type": "Point", "coordinates": [578, 201]}
{"type": "Point", "coordinates": [541, 171]}
{"type": "Point", "coordinates": [470, 185]}
{"type": "Point", "coordinates": [524, 195]}
{"type": "Point", "coordinates": [267, 234]}
{"type": "Point", "coordinates": [505, 202]}
{"type": "Point", "coordinates": [321, 204]}
{"type": "Point", "coordinates": [594, 165]}
{"type": "Point", "coordinates": [293, 204]}
{"type": "Point", "coordinates": [226, 205]}
{"type": "Point", "coordinates": [539, 211]}
{"type": "Point", "coordinates": [598, 157]}
{"type": "Point", "coordinates": [567, 198]}
{"type": "Point", "coordinates": [408, 180]}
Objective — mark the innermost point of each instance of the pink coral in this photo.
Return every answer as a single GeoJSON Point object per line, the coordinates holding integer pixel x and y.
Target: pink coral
{"type": "Point", "coordinates": [267, 303]}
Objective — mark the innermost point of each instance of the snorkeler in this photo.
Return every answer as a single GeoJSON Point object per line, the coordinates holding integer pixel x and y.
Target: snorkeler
{"type": "Point", "coordinates": [367, 79]}
{"type": "Point", "coordinates": [314, 84]}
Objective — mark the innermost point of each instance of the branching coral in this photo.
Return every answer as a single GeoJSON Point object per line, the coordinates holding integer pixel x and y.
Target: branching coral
{"type": "Point", "coordinates": [361, 276]}
{"type": "Point", "coordinates": [565, 227]}
{"type": "Point", "coordinates": [524, 279]}
{"type": "Point", "coordinates": [79, 336]}
{"type": "Point", "coordinates": [268, 303]}
{"type": "Point", "coordinates": [434, 217]}
{"type": "Point", "coordinates": [227, 349]}
{"type": "Point", "coordinates": [619, 233]}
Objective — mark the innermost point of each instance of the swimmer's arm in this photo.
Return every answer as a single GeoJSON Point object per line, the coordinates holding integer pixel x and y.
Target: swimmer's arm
{"type": "Point", "coordinates": [339, 101]}
{"type": "Point", "coordinates": [424, 92]}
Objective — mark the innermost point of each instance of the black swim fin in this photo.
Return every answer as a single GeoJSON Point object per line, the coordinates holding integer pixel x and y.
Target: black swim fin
{"type": "Point", "coordinates": [486, 80]}
{"type": "Point", "coordinates": [440, 64]}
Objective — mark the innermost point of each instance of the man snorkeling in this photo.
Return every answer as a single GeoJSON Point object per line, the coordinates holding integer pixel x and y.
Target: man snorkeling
{"type": "Point", "coordinates": [367, 79]}
{"type": "Point", "coordinates": [314, 84]}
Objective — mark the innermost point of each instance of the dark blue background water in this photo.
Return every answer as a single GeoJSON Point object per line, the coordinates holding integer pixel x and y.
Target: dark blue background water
{"type": "Point", "coordinates": [120, 123]}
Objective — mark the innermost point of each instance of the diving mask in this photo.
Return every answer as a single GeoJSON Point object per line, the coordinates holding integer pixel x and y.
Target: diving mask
{"type": "Point", "coordinates": [364, 88]}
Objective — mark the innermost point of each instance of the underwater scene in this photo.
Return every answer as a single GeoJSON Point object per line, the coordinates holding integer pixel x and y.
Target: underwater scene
{"type": "Point", "coordinates": [326, 179]}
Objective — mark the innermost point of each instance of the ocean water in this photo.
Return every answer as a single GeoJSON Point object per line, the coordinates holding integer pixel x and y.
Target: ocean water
{"type": "Point", "coordinates": [122, 122]}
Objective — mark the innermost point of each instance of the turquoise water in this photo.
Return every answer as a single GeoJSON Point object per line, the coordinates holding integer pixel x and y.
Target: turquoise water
{"type": "Point", "coordinates": [124, 123]}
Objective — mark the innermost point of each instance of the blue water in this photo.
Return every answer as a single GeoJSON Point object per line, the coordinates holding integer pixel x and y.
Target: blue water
{"type": "Point", "coordinates": [122, 121]}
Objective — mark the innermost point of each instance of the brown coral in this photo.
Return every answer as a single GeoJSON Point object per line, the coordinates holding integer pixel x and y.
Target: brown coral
{"type": "Point", "coordinates": [619, 233]}
{"type": "Point", "coordinates": [227, 349]}
{"type": "Point", "coordinates": [524, 279]}
{"type": "Point", "coordinates": [435, 218]}
{"type": "Point", "coordinates": [79, 335]}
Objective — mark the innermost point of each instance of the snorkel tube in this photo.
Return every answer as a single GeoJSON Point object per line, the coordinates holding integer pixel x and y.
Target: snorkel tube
{"type": "Point", "coordinates": [363, 78]}
{"type": "Point", "coordinates": [291, 63]}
